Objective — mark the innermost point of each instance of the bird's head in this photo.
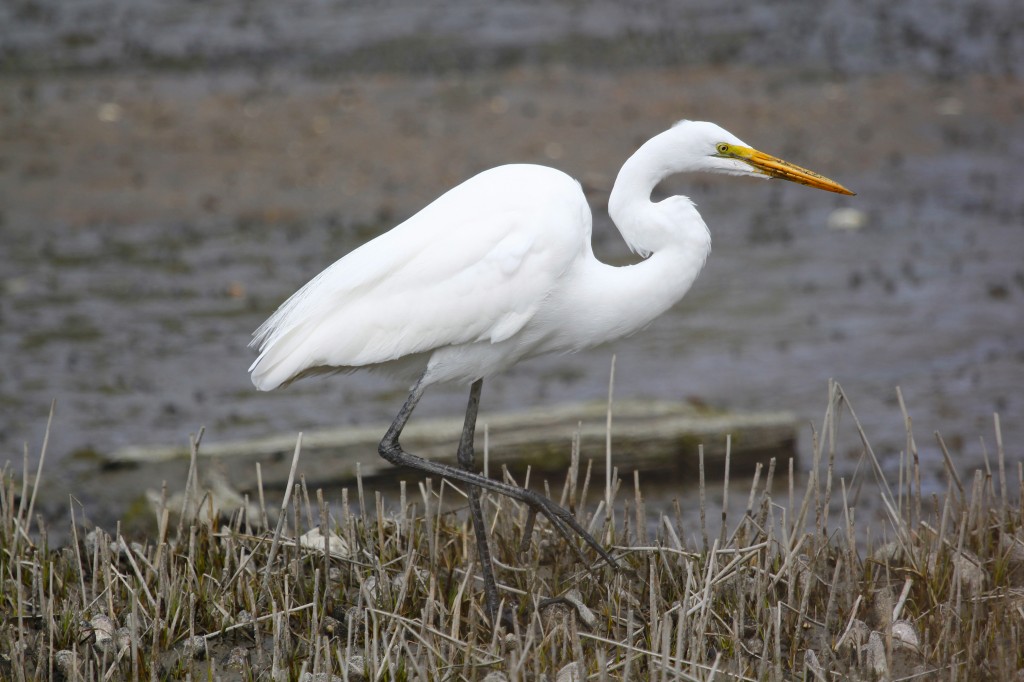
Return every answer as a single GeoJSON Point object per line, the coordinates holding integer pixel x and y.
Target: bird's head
{"type": "Point", "coordinates": [712, 148]}
{"type": "Point", "coordinates": [688, 147]}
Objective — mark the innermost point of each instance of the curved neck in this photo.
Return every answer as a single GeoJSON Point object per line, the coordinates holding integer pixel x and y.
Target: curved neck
{"type": "Point", "coordinates": [646, 226]}
{"type": "Point", "coordinates": [637, 178]}
{"type": "Point", "coordinates": [670, 235]}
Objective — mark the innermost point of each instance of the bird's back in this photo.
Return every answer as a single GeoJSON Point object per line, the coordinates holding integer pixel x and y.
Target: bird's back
{"type": "Point", "coordinates": [474, 265]}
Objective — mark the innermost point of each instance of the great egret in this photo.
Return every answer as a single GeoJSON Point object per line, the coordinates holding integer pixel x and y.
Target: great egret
{"type": "Point", "coordinates": [499, 269]}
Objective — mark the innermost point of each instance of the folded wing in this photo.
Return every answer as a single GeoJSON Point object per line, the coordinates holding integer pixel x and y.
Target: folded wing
{"type": "Point", "coordinates": [475, 265]}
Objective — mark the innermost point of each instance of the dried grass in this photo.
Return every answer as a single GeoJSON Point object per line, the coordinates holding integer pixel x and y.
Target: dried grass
{"type": "Point", "coordinates": [785, 593]}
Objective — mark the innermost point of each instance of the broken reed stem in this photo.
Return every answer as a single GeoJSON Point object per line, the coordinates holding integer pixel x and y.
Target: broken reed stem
{"type": "Point", "coordinates": [950, 468]}
{"type": "Point", "coordinates": [282, 515]}
{"type": "Point", "coordinates": [915, 481]}
{"type": "Point", "coordinates": [725, 491]}
{"type": "Point", "coordinates": [27, 519]}
{"type": "Point", "coordinates": [190, 480]}
{"type": "Point", "coordinates": [1001, 460]}
{"type": "Point", "coordinates": [701, 496]}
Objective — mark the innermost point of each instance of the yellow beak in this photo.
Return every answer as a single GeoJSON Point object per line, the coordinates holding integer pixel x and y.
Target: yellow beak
{"type": "Point", "coordinates": [774, 167]}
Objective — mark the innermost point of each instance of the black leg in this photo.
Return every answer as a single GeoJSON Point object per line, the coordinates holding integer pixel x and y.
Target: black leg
{"type": "Point", "coordinates": [465, 455]}
{"type": "Point", "coordinates": [562, 521]}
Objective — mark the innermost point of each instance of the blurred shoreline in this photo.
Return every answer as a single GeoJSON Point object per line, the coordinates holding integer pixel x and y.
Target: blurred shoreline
{"type": "Point", "coordinates": [838, 38]}
{"type": "Point", "coordinates": [167, 177]}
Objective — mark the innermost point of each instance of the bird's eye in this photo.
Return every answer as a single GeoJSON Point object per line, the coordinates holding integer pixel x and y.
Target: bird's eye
{"type": "Point", "coordinates": [722, 147]}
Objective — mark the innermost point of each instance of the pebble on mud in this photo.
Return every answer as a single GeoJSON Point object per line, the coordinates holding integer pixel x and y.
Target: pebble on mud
{"type": "Point", "coordinates": [876, 655]}
{"type": "Point", "coordinates": [571, 672]}
{"type": "Point", "coordinates": [315, 539]}
{"type": "Point", "coordinates": [812, 664]}
{"type": "Point", "coordinates": [67, 662]}
{"type": "Point", "coordinates": [586, 616]}
{"type": "Point", "coordinates": [966, 566]}
{"type": "Point", "coordinates": [904, 634]}
{"type": "Point", "coordinates": [846, 219]}
{"type": "Point", "coordinates": [103, 629]}
{"type": "Point", "coordinates": [109, 112]}
{"type": "Point", "coordinates": [238, 659]}
{"type": "Point", "coordinates": [355, 668]}
{"type": "Point", "coordinates": [195, 648]}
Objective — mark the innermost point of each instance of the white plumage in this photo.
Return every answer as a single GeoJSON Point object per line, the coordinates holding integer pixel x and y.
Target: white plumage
{"type": "Point", "coordinates": [500, 268]}
{"type": "Point", "coordinates": [472, 267]}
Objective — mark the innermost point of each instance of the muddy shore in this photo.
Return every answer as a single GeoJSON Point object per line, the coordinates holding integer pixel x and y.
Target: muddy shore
{"type": "Point", "coordinates": [152, 217]}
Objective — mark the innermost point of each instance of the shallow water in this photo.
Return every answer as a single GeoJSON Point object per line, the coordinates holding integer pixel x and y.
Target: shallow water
{"type": "Point", "coordinates": [152, 219]}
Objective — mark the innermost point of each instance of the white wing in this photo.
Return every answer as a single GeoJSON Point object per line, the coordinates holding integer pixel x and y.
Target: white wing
{"type": "Point", "coordinates": [474, 265]}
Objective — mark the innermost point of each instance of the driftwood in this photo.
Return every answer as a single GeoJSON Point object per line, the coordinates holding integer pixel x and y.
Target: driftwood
{"type": "Point", "coordinates": [652, 437]}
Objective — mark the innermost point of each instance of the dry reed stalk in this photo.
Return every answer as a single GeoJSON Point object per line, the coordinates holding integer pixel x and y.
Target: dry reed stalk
{"type": "Point", "coordinates": [725, 490]}
{"type": "Point", "coordinates": [276, 541]}
{"type": "Point", "coordinates": [702, 498]}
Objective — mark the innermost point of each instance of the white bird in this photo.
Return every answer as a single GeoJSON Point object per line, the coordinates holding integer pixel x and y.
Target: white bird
{"type": "Point", "coordinates": [501, 268]}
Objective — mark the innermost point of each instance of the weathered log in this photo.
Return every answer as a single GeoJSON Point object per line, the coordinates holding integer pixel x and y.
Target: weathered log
{"type": "Point", "coordinates": [660, 437]}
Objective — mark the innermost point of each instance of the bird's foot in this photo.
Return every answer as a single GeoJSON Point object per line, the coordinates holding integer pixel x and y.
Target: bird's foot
{"type": "Point", "coordinates": [564, 523]}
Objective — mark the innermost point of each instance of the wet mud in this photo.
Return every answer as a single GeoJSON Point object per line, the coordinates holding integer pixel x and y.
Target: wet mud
{"type": "Point", "coordinates": [154, 213]}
